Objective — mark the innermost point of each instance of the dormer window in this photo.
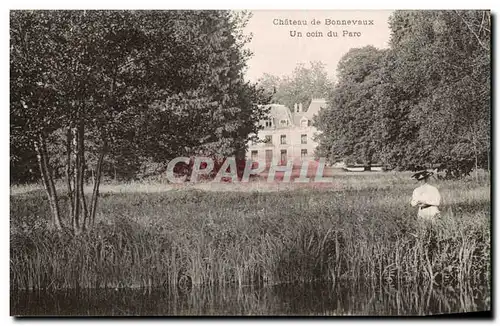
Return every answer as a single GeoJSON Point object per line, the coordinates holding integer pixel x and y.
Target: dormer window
{"type": "Point", "coordinates": [269, 123]}
{"type": "Point", "coordinates": [284, 122]}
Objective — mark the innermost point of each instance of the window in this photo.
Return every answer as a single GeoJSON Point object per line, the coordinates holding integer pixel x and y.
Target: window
{"type": "Point", "coordinates": [284, 122]}
{"type": "Point", "coordinates": [269, 155]}
{"type": "Point", "coordinates": [268, 140]}
{"type": "Point", "coordinates": [309, 123]}
{"type": "Point", "coordinates": [303, 123]}
{"type": "Point", "coordinates": [254, 155]}
{"type": "Point", "coordinates": [303, 139]}
{"type": "Point", "coordinates": [303, 153]}
{"type": "Point", "coordinates": [283, 156]}
{"type": "Point", "coordinates": [269, 123]}
{"type": "Point", "coordinates": [283, 139]}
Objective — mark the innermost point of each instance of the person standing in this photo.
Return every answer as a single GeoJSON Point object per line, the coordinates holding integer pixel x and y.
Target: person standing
{"type": "Point", "coordinates": [426, 197]}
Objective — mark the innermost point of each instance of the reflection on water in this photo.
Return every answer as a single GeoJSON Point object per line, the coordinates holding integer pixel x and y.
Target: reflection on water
{"type": "Point", "coordinates": [303, 299]}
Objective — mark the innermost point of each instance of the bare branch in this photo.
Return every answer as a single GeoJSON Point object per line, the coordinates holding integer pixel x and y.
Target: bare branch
{"type": "Point", "coordinates": [472, 31]}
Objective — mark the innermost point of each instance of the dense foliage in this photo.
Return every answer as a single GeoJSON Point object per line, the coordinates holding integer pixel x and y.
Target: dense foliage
{"type": "Point", "coordinates": [93, 92]}
{"type": "Point", "coordinates": [422, 103]}
{"type": "Point", "coordinates": [350, 125]}
{"type": "Point", "coordinates": [305, 83]}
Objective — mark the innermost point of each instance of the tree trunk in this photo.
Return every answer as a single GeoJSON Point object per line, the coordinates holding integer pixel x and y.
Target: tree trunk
{"type": "Point", "coordinates": [76, 198]}
{"type": "Point", "coordinates": [81, 168]}
{"type": "Point", "coordinates": [489, 153]}
{"type": "Point", "coordinates": [69, 141]}
{"type": "Point", "coordinates": [476, 167]}
{"type": "Point", "coordinates": [48, 180]}
{"type": "Point", "coordinates": [474, 145]}
{"type": "Point", "coordinates": [97, 181]}
{"type": "Point", "coordinates": [367, 166]}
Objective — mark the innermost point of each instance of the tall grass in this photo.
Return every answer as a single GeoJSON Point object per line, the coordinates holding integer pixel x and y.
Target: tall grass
{"type": "Point", "coordinates": [358, 229]}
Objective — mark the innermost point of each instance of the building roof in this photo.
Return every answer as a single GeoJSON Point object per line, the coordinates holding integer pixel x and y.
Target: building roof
{"type": "Point", "coordinates": [314, 107]}
{"type": "Point", "coordinates": [280, 112]}
{"type": "Point", "coordinates": [296, 117]}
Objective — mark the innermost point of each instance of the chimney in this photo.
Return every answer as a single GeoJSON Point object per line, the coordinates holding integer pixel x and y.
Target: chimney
{"type": "Point", "coordinates": [295, 108]}
{"type": "Point", "coordinates": [300, 107]}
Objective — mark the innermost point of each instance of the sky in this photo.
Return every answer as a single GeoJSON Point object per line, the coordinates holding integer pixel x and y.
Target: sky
{"type": "Point", "coordinates": [277, 53]}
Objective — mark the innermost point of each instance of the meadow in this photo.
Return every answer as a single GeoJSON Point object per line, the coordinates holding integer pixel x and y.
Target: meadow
{"type": "Point", "coordinates": [361, 228]}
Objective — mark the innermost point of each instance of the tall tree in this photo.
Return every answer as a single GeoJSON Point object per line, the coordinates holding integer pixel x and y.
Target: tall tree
{"type": "Point", "coordinates": [428, 96]}
{"type": "Point", "coordinates": [349, 125]}
{"type": "Point", "coordinates": [302, 86]}
{"type": "Point", "coordinates": [441, 74]}
{"type": "Point", "coordinates": [101, 83]}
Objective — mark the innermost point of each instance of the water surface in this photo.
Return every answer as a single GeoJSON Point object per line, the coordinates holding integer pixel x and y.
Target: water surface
{"type": "Point", "coordinates": [289, 299]}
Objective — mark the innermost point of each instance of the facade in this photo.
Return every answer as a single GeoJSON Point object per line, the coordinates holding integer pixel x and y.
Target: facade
{"type": "Point", "coordinates": [287, 134]}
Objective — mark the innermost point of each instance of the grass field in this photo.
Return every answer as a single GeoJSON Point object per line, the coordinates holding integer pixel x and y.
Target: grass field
{"type": "Point", "coordinates": [361, 227]}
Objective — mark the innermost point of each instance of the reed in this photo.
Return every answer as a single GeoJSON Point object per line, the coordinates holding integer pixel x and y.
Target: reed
{"type": "Point", "coordinates": [177, 239]}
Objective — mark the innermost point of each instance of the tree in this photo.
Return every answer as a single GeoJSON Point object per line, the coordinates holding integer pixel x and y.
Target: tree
{"type": "Point", "coordinates": [301, 87]}
{"type": "Point", "coordinates": [349, 125]}
{"type": "Point", "coordinates": [214, 112]}
{"type": "Point", "coordinates": [423, 103]}
{"type": "Point", "coordinates": [441, 82]}
{"type": "Point", "coordinates": [104, 83]}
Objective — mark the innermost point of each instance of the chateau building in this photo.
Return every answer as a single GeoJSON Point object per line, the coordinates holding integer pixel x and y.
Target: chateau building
{"type": "Point", "coordinates": [287, 134]}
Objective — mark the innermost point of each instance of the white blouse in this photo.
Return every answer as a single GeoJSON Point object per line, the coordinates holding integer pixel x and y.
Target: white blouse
{"type": "Point", "coordinates": [427, 198]}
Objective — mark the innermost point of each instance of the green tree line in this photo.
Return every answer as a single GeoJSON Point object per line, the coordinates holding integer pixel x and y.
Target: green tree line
{"type": "Point", "coordinates": [424, 102]}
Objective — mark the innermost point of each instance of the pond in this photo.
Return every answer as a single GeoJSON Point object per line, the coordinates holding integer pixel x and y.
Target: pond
{"type": "Point", "coordinates": [289, 299]}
